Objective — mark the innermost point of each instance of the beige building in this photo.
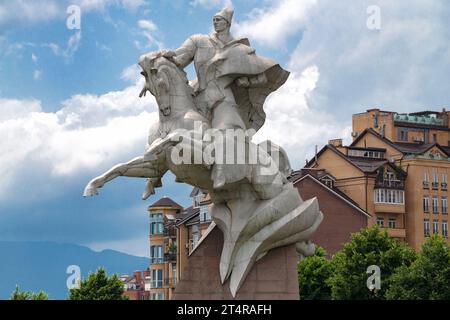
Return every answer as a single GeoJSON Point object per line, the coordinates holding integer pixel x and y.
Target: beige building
{"type": "Point", "coordinates": [163, 249]}
{"type": "Point", "coordinates": [396, 169]}
{"type": "Point", "coordinates": [192, 227]}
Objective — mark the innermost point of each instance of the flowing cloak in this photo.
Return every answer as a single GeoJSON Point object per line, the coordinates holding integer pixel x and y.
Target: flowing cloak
{"type": "Point", "coordinates": [237, 59]}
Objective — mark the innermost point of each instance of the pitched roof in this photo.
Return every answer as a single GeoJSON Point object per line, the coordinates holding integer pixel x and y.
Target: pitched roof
{"type": "Point", "coordinates": [190, 213]}
{"type": "Point", "coordinates": [337, 192]}
{"type": "Point", "coordinates": [376, 134]}
{"type": "Point", "coordinates": [404, 147]}
{"type": "Point", "coordinates": [166, 202]}
{"type": "Point", "coordinates": [366, 165]}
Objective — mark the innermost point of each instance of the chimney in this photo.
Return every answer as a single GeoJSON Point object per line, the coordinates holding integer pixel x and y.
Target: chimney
{"type": "Point", "coordinates": [138, 276]}
{"type": "Point", "coordinates": [146, 273]}
{"type": "Point", "coordinates": [335, 142]}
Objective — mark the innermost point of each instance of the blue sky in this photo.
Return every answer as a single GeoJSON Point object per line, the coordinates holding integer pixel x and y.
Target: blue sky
{"type": "Point", "coordinates": [69, 108]}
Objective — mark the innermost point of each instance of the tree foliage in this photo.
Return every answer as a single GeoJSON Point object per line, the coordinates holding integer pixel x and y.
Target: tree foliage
{"type": "Point", "coordinates": [313, 275]}
{"type": "Point", "coordinates": [368, 247]}
{"type": "Point", "coordinates": [28, 295]}
{"type": "Point", "coordinates": [98, 286]}
{"type": "Point", "coordinates": [428, 277]}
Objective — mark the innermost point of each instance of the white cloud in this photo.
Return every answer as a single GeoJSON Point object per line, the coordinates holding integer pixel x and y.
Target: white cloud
{"type": "Point", "coordinates": [402, 67]}
{"type": "Point", "coordinates": [14, 11]}
{"type": "Point", "coordinates": [72, 46]}
{"type": "Point", "coordinates": [88, 133]}
{"type": "Point", "coordinates": [288, 108]}
{"type": "Point", "coordinates": [34, 58]}
{"type": "Point", "coordinates": [131, 73]}
{"type": "Point", "coordinates": [209, 4]}
{"type": "Point", "coordinates": [274, 24]}
{"type": "Point", "coordinates": [150, 32]}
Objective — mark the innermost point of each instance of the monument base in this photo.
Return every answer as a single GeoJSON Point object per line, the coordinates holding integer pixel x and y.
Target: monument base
{"type": "Point", "coordinates": [273, 277]}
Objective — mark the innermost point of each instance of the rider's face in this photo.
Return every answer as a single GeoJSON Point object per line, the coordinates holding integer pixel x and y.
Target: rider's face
{"type": "Point", "coordinates": [220, 24]}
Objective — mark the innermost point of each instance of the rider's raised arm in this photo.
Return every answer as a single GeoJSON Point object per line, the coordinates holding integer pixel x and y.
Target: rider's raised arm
{"type": "Point", "coordinates": [185, 54]}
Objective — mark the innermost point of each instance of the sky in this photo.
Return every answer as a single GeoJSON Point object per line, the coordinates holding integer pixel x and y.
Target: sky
{"type": "Point", "coordinates": [69, 105]}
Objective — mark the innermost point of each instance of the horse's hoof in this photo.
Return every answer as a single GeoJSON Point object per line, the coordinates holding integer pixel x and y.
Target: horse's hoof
{"type": "Point", "coordinates": [90, 191]}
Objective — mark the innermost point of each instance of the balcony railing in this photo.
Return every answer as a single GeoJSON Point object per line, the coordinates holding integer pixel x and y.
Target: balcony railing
{"type": "Point", "coordinates": [425, 184]}
{"type": "Point", "coordinates": [444, 186]}
{"type": "Point", "coordinates": [168, 257]}
{"type": "Point", "coordinates": [155, 260]}
{"type": "Point", "coordinates": [156, 284]}
{"type": "Point", "coordinates": [390, 184]}
{"type": "Point", "coordinates": [170, 282]}
{"type": "Point", "coordinates": [435, 185]}
{"type": "Point", "coordinates": [170, 232]}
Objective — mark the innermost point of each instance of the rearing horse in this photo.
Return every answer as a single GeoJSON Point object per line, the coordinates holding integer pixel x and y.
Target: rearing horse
{"type": "Point", "coordinates": [177, 111]}
{"type": "Point", "coordinates": [244, 210]}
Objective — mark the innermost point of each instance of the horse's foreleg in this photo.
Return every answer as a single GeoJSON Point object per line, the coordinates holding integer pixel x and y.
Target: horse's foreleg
{"type": "Point", "coordinates": [134, 168]}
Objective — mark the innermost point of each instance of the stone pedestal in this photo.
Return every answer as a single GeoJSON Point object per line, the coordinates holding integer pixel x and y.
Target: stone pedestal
{"type": "Point", "coordinates": [274, 277]}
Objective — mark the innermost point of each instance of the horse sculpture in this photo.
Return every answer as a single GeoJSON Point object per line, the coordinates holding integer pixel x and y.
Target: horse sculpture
{"type": "Point", "coordinates": [243, 210]}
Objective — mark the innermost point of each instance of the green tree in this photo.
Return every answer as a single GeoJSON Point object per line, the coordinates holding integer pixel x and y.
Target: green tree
{"type": "Point", "coordinates": [313, 275]}
{"type": "Point", "coordinates": [98, 286]}
{"type": "Point", "coordinates": [28, 295]}
{"type": "Point", "coordinates": [427, 278]}
{"type": "Point", "coordinates": [368, 247]}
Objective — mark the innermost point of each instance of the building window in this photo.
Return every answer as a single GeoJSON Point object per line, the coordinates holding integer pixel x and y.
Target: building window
{"type": "Point", "coordinates": [435, 205]}
{"type": "Point", "coordinates": [434, 138]}
{"type": "Point", "coordinates": [156, 254]}
{"type": "Point", "coordinates": [380, 221]}
{"type": "Point", "coordinates": [204, 214]}
{"type": "Point", "coordinates": [444, 228]}
{"type": "Point", "coordinates": [197, 199]}
{"type": "Point", "coordinates": [366, 154]}
{"type": "Point", "coordinates": [426, 179]}
{"type": "Point", "coordinates": [328, 182]}
{"type": "Point", "coordinates": [392, 223]}
{"type": "Point", "coordinates": [435, 226]}
{"type": "Point", "coordinates": [444, 182]}
{"type": "Point", "coordinates": [389, 196]}
{"type": "Point", "coordinates": [157, 296]}
{"type": "Point", "coordinates": [426, 228]}
{"type": "Point", "coordinates": [157, 278]}
{"type": "Point", "coordinates": [426, 204]}
{"type": "Point", "coordinates": [444, 205]}
{"type": "Point", "coordinates": [402, 134]}
{"type": "Point", "coordinates": [156, 223]}
{"type": "Point", "coordinates": [435, 183]}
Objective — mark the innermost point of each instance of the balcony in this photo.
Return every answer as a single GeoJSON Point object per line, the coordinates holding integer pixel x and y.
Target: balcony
{"type": "Point", "coordinates": [171, 282]}
{"type": "Point", "coordinates": [395, 233]}
{"type": "Point", "coordinates": [155, 284]}
{"type": "Point", "coordinates": [444, 186]}
{"type": "Point", "coordinates": [170, 257]}
{"type": "Point", "coordinates": [389, 208]}
{"type": "Point", "coordinates": [170, 232]}
{"type": "Point", "coordinates": [425, 184]}
{"type": "Point", "coordinates": [435, 185]}
{"type": "Point", "coordinates": [390, 184]}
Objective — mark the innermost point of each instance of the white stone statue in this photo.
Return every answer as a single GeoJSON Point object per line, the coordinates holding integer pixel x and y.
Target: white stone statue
{"type": "Point", "coordinates": [253, 203]}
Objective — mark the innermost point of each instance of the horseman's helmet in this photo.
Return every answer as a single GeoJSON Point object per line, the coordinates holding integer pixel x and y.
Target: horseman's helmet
{"type": "Point", "coordinates": [225, 13]}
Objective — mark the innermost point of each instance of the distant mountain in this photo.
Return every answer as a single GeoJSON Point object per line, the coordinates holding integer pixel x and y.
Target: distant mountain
{"type": "Point", "coordinates": [42, 265]}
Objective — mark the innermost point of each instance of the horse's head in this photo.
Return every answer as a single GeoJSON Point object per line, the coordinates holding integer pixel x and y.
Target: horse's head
{"type": "Point", "coordinates": [163, 79]}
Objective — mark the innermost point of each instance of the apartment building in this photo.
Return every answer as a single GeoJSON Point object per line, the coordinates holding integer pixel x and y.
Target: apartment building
{"type": "Point", "coordinates": [395, 169]}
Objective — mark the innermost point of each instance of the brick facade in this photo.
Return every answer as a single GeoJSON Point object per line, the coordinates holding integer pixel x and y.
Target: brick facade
{"type": "Point", "coordinates": [340, 218]}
